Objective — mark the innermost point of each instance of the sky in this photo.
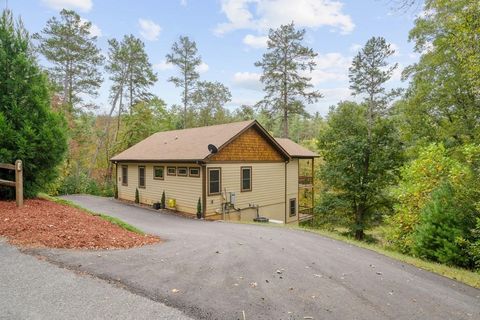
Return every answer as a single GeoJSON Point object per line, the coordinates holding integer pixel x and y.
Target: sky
{"type": "Point", "coordinates": [231, 36]}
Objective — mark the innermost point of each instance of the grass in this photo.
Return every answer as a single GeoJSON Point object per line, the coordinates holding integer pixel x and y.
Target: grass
{"type": "Point", "coordinates": [122, 224]}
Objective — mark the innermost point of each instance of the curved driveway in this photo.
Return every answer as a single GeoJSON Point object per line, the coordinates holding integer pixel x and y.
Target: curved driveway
{"type": "Point", "coordinates": [214, 270]}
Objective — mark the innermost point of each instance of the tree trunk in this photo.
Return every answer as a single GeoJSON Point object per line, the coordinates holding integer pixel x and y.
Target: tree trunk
{"type": "Point", "coordinates": [285, 100]}
{"type": "Point", "coordinates": [359, 216]}
{"type": "Point", "coordinates": [105, 135]}
{"type": "Point", "coordinates": [185, 98]}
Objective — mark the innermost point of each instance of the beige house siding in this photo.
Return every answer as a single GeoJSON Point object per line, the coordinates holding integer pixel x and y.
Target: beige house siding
{"type": "Point", "coordinates": [292, 188]}
{"type": "Point", "coordinates": [185, 190]}
{"type": "Point", "coordinates": [268, 190]}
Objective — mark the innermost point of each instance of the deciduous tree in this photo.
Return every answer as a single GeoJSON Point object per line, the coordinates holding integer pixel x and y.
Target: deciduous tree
{"type": "Point", "coordinates": [209, 99]}
{"type": "Point", "coordinates": [361, 159]}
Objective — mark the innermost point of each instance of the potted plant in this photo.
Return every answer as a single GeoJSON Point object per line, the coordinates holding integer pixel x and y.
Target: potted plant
{"type": "Point", "coordinates": [162, 201]}
{"type": "Point", "coordinates": [157, 205]}
{"type": "Point", "coordinates": [199, 209]}
{"type": "Point", "coordinates": [137, 196]}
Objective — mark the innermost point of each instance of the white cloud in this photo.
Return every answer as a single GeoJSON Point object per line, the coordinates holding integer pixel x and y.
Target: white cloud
{"type": "Point", "coordinates": [203, 67]}
{"type": "Point", "coordinates": [94, 29]}
{"type": "Point", "coordinates": [183, 3]}
{"type": "Point", "coordinates": [256, 42]}
{"type": "Point", "coordinates": [355, 47]}
{"type": "Point", "coordinates": [163, 65]}
{"type": "Point", "coordinates": [261, 15]}
{"type": "Point", "coordinates": [396, 48]}
{"type": "Point", "coordinates": [334, 95]}
{"type": "Point", "coordinates": [397, 73]}
{"type": "Point", "coordinates": [330, 67]}
{"type": "Point", "coordinates": [149, 29]}
{"type": "Point", "coordinates": [82, 5]}
{"type": "Point", "coordinates": [247, 80]}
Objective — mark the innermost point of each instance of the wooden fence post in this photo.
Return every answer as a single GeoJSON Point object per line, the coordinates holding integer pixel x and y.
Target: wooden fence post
{"type": "Point", "coordinates": [19, 183]}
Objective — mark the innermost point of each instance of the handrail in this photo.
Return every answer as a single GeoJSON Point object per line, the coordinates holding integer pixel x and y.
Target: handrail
{"type": "Point", "coordinates": [18, 183]}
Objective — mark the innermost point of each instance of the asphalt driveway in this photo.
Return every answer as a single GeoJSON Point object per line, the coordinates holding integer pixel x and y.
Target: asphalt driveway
{"type": "Point", "coordinates": [35, 289]}
{"type": "Point", "coordinates": [215, 270]}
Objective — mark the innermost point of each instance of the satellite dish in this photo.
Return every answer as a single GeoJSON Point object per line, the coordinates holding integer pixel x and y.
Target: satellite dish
{"type": "Point", "coordinates": [212, 148]}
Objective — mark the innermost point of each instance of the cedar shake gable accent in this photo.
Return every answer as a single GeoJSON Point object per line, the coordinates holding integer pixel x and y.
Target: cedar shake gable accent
{"type": "Point", "coordinates": [248, 146]}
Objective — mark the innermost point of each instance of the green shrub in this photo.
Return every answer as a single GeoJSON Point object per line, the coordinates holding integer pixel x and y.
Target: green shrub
{"type": "Point", "coordinates": [442, 229]}
{"type": "Point", "coordinates": [137, 196]}
{"type": "Point", "coordinates": [474, 248]}
{"type": "Point", "coordinates": [80, 183]}
{"type": "Point", "coordinates": [434, 166]}
{"type": "Point", "coordinates": [199, 208]}
{"type": "Point", "coordinates": [162, 201]}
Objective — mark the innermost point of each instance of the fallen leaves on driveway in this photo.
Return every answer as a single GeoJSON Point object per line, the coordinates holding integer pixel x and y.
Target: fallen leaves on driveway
{"type": "Point", "coordinates": [42, 223]}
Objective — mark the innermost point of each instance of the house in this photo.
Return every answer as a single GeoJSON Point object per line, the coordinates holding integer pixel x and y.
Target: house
{"type": "Point", "coordinates": [237, 170]}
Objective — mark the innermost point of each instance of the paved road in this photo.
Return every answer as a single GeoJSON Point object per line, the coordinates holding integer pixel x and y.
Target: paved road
{"type": "Point", "coordinates": [214, 270]}
{"type": "Point", "coordinates": [35, 289]}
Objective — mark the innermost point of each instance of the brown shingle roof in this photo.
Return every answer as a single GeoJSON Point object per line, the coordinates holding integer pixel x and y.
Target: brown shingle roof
{"type": "Point", "coordinates": [295, 150]}
{"type": "Point", "coordinates": [192, 144]}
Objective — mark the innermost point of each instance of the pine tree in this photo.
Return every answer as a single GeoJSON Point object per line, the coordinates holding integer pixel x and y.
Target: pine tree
{"type": "Point", "coordinates": [285, 65]}
{"type": "Point", "coordinates": [368, 74]}
{"type": "Point", "coordinates": [68, 45]}
{"type": "Point", "coordinates": [132, 77]}
{"type": "Point", "coordinates": [130, 70]}
{"type": "Point", "coordinates": [185, 57]}
{"type": "Point", "coordinates": [29, 130]}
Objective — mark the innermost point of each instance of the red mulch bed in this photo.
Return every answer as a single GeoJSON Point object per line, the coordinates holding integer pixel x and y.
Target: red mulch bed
{"type": "Point", "coordinates": [42, 223]}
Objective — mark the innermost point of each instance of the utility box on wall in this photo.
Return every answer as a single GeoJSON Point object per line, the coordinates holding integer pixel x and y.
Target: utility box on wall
{"type": "Point", "coordinates": [233, 198]}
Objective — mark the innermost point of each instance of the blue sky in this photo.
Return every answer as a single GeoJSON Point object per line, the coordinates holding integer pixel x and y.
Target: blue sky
{"type": "Point", "coordinates": [230, 36]}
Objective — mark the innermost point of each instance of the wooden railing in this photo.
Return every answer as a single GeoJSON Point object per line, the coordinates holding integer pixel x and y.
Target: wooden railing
{"type": "Point", "coordinates": [305, 214]}
{"type": "Point", "coordinates": [305, 180]}
{"type": "Point", "coordinates": [18, 183]}
{"type": "Point", "coordinates": [305, 210]}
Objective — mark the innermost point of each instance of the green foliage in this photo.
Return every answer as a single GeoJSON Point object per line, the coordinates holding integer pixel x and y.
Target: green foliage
{"type": "Point", "coordinates": [199, 208]}
{"type": "Point", "coordinates": [474, 248]}
{"type": "Point", "coordinates": [442, 226]}
{"type": "Point", "coordinates": [433, 167]}
{"type": "Point", "coordinates": [29, 130]}
{"type": "Point", "coordinates": [137, 196]}
{"type": "Point", "coordinates": [284, 66]}
{"type": "Point", "coordinates": [162, 201]}
{"type": "Point", "coordinates": [443, 98]}
{"type": "Point", "coordinates": [81, 183]}
{"type": "Point", "coordinates": [144, 119]}
{"type": "Point", "coordinates": [209, 99]}
{"type": "Point", "coordinates": [68, 45]}
{"type": "Point", "coordinates": [357, 169]}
